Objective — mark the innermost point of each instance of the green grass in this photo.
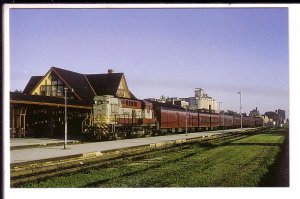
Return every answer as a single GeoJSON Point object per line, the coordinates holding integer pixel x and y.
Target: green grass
{"type": "Point", "coordinates": [227, 163]}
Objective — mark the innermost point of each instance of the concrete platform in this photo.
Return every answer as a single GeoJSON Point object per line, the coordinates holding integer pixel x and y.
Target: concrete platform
{"type": "Point", "coordinates": [21, 143]}
{"type": "Point", "coordinates": [48, 152]}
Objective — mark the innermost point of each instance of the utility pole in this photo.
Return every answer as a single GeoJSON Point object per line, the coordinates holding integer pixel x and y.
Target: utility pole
{"type": "Point", "coordinates": [66, 119]}
{"type": "Point", "coordinates": [223, 121]}
{"type": "Point", "coordinates": [209, 109]}
{"type": "Point", "coordinates": [186, 121]}
{"type": "Point", "coordinates": [220, 111]}
{"type": "Point", "coordinates": [240, 93]}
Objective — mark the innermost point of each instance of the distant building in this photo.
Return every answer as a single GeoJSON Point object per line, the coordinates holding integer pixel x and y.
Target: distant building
{"type": "Point", "coordinates": [202, 101]}
{"type": "Point", "coordinates": [273, 115]}
{"type": "Point", "coordinates": [281, 114]}
{"type": "Point", "coordinates": [267, 120]}
{"type": "Point", "coordinates": [278, 116]}
{"type": "Point", "coordinates": [254, 113]}
{"type": "Point", "coordinates": [182, 102]}
{"type": "Point", "coordinates": [162, 99]}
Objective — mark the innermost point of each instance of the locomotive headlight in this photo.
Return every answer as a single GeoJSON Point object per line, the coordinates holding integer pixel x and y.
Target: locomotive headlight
{"type": "Point", "coordinates": [98, 102]}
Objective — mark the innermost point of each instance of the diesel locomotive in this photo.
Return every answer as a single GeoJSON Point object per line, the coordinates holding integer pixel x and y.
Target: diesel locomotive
{"type": "Point", "coordinates": [119, 118]}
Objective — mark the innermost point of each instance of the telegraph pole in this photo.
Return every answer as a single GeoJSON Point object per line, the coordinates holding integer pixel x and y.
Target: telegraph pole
{"type": "Point", "coordinates": [220, 112]}
{"type": "Point", "coordinates": [186, 121]}
{"type": "Point", "coordinates": [240, 93]}
{"type": "Point", "coordinates": [66, 119]}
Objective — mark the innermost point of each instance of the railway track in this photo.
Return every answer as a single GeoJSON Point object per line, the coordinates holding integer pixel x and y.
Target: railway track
{"type": "Point", "coordinates": [43, 169]}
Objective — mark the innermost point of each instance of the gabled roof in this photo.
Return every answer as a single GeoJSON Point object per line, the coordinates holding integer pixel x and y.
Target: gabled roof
{"type": "Point", "coordinates": [85, 86]}
{"type": "Point", "coordinates": [132, 96]}
{"type": "Point", "coordinates": [77, 82]}
{"type": "Point", "coordinates": [105, 84]}
{"type": "Point", "coordinates": [31, 84]}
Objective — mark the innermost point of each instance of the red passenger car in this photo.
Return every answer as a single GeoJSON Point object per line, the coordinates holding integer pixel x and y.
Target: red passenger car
{"type": "Point", "coordinates": [175, 118]}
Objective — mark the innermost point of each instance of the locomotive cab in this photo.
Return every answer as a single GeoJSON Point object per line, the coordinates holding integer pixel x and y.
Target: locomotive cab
{"type": "Point", "coordinates": [105, 108]}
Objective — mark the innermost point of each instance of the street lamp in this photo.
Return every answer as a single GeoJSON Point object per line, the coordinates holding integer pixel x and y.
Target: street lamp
{"type": "Point", "coordinates": [66, 119]}
{"type": "Point", "coordinates": [220, 106]}
{"type": "Point", "coordinates": [240, 93]}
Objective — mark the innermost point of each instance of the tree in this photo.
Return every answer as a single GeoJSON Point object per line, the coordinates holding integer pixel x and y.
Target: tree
{"type": "Point", "coordinates": [229, 112]}
{"type": "Point", "coordinates": [17, 91]}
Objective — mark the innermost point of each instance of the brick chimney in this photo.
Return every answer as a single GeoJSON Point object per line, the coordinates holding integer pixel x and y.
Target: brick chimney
{"type": "Point", "coordinates": [109, 71]}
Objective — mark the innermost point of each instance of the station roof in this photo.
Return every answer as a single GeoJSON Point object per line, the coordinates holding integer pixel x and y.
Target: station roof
{"type": "Point", "coordinates": [77, 82]}
{"type": "Point", "coordinates": [31, 83]}
{"type": "Point", "coordinates": [85, 86]}
{"type": "Point", "coordinates": [105, 84]}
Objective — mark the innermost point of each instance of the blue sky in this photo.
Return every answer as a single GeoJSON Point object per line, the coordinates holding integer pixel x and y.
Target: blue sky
{"type": "Point", "coordinates": [161, 51]}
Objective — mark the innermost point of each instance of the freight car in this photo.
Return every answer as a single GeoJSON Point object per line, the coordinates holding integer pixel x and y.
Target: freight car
{"type": "Point", "coordinates": [124, 118]}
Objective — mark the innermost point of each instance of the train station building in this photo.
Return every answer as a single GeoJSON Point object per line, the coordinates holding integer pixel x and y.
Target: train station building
{"type": "Point", "coordinates": [40, 109]}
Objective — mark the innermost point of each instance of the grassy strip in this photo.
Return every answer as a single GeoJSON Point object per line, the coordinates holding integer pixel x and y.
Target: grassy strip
{"type": "Point", "coordinates": [230, 162]}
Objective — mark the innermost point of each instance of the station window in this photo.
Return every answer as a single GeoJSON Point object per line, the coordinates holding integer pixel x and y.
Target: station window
{"type": "Point", "coordinates": [60, 91]}
{"type": "Point", "coordinates": [55, 88]}
{"type": "Point", "coordinates": [121, 93]}
{"type": "Point", "coordinates": [43, 90]}
{"type": "Point", "coordinates": [48, 90]}
{"type": "Point", "coordinates": [54, 80]}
